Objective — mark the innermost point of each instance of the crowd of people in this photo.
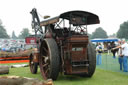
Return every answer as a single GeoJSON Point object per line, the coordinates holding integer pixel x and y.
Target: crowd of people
{"type": "Point", "coordinates": [122, 52]}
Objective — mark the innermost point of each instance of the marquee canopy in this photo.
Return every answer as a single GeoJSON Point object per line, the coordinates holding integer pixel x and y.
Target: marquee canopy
{"type": "Point", "coordinates": [104, 40]}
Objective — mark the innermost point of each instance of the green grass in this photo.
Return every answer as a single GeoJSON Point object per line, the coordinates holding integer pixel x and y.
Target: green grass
{"type": "Point", "coordinates": [21, 71]}
{"type": "Point", "coordinates": [107, 73]}
{"type": "Point", "coordinates": [101, 77]}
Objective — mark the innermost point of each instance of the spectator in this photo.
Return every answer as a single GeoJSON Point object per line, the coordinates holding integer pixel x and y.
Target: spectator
{"type": "Point", "coordinates": [108, 48]}
{"type": "Point", "coordinates": [120, 57]}
{"type": "Point", "coordinates": [115, 50]}
{"type": "Point", "coordinates": [124, 47]}
{"type": "Point", "coordinates": [99, 51]}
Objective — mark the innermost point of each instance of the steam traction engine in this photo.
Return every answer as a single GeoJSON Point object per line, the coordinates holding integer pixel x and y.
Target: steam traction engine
{"type": "Point", "coordinates": [63, 45]}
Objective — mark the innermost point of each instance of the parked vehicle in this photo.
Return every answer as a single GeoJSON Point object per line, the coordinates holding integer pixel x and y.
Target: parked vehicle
{"type": "Point", "coordinates": [14, 49]}
{"type": "Point", "coordinates": [30, 42]}
{"type": "Point", "coordinates": [64, 45]}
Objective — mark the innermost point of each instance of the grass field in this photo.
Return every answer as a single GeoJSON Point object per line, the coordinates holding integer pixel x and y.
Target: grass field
{"type": "Point", "coordinates": [101, 77]}
{"type": "Point", "coordinates": [107, 73]}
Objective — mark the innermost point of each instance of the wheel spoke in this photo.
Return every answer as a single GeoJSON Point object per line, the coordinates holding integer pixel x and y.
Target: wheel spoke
{"type": "Point", "coordinates": [46, 71]}
{"type": "Point", "coordinates": [46, 59]}
{"type": "Point", "coordinates": [45, 50]}
{"type": "Point", "coordinates": [45, 65]}
{"type": "Point", "coordinates": [43, 56]}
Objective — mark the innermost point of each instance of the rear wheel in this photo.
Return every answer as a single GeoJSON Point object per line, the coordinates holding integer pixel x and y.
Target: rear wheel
{"type": "Point", "coordinates": [33, 65]}
{"type": "Point", "coordinates": [49, 59]}
{"type": "Point", "coordinates": [92, 60]}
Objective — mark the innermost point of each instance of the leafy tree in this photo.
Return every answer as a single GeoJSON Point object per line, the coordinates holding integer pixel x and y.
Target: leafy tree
{"type": "Point", "coordinates": [99, 33]}
{"type": "Point", "coordinates": [3, 33]}
{"type": "Point", "coordinates": [113, 35]}
{"type": "Point", "coordinates": [24, 33]}
{"type": "Point", "coordinates": [123, 31]}
{"type": "Point", "coordinates": [13, 35]}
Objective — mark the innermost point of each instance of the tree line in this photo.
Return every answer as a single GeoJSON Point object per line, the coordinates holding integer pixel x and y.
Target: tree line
{"type": "Point", "coordinates": [121, 33]}
{"type": "Point", "coordinates": [3, 33]}
{"type": "Point", "coordinates": [98, 33]}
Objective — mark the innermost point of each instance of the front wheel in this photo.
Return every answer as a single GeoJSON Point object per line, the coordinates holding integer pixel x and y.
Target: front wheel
{"type": "Point", "coordinates": [33, 65]}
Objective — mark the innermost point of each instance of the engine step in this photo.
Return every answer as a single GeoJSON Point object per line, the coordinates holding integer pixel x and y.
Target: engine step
{"type": "Point", "coordinates": [84, 65]}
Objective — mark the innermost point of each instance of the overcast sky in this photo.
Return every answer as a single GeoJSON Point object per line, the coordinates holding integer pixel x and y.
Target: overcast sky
{"type": "Point", "coordinates": [15, 13]}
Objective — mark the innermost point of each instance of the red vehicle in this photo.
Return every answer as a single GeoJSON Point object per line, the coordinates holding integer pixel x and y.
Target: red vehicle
{"type": "Point", "coordinates": [30, 42]}
{"type": "Point", "coordinates": [64, 45]}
